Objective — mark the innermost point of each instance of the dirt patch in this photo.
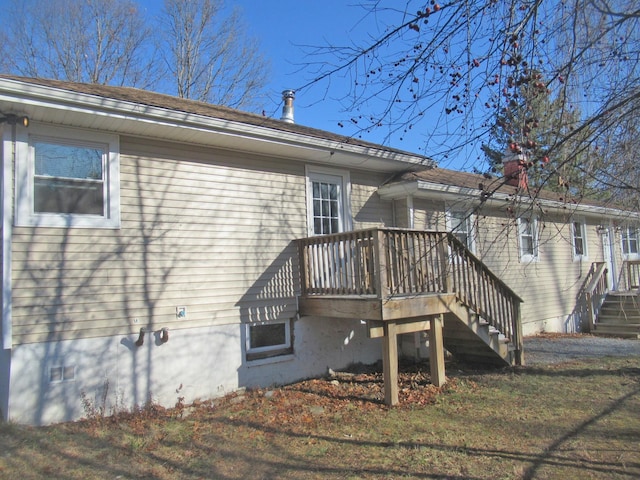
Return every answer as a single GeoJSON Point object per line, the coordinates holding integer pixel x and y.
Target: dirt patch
{"type": "Point", "coordinates": [364, 385]}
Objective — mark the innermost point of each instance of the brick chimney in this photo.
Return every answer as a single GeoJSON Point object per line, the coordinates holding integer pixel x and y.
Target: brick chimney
{"type": "Point", "coordinates": [287, 109]}
{"type": "Point", "coordinates": [515, 171]}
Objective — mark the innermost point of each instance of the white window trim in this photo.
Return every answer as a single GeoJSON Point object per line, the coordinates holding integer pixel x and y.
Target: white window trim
{"type": "Point", "coordinates": [24, 209]}
{"type": "Point", "coordinates": [527, 257]}
{"type": "Point", "coordinates": [317, 173]}
{"type": "Point", "coordinates": [471, 223]}
{"type": "Point", "coordinates": [260, 353]}
{"type": "Point", "coordinates": [583, 234]}
{"type": "Point", "coordinates": [630, 256]}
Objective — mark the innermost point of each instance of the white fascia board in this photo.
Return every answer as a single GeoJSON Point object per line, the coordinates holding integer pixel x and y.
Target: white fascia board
{"type": "Point", "coordinates": [39, 96]}
{"type": "Point", "coordinates": [398, 190]}
{"type": "Point", "coordinates": [440, 192]}
{"type": "Point", "coordinates": [427, 190]}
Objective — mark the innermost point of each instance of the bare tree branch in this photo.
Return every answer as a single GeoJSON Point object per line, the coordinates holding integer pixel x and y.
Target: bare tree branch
{"type": "Point", "coordinates": [209, 56]}
{"type": "Point", "coordinates": [91, 41]}
{"type": "Point", "coordinates": [444, 73]}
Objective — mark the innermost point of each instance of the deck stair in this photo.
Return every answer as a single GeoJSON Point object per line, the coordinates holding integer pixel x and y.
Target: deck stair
{"type": "Point", "coordinates": [471, 339]}
{"type": "Point", "coordinates": [619, 315]}
{"type": "Point", "coordinates": [402, 281]}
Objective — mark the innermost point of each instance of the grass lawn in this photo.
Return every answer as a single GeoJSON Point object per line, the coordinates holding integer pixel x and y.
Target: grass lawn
{"type": "Point", "coordinates": [574, 420]}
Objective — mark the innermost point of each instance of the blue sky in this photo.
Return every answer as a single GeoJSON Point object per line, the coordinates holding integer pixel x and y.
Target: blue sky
{"type": "Point", "coordinates": [283, 28]}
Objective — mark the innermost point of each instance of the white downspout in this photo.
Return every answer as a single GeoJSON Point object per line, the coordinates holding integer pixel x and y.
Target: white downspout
{"type": "Point", "coordinates": [612, 252]}
{"type": "Point", "coordinates": [8, 159]}
{"type": "Point", "coordinates": [410, 212]}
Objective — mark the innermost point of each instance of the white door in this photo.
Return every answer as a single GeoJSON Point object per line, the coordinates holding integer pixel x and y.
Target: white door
{"type": "Point", "coordinates": [607, 253]}
{"type": "Point", "coordinates": [327, 208]}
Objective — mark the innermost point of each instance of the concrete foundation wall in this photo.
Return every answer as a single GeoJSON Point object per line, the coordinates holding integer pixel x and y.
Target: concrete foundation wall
{"type": "Point", "coordinates": [66, 380]}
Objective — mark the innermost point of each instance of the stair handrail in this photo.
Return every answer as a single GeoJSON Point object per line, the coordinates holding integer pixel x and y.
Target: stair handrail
{"type": "Point", "coordinates": [595, 288]}
{"type": "Point", "coordinates": [388, 262]}
{"type": "Point", "coordinates": [485, 293]}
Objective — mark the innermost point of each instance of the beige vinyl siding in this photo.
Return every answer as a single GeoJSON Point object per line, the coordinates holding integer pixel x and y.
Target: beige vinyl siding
{"type": "Point", "coordinates": [400, 213]}
{"type": "Point", "coordinates": [208, 230]}
{"type": "Point", "coordinates": [368, 209]}
{"type": "Point", "coordinates": [548, 286]}
{"type": "Point", "coordinates": [428, 215]}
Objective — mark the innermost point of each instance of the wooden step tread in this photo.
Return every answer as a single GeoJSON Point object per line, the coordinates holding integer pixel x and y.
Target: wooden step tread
{"type": "Point", "coordinates": [621, 320]}
{"type": "Point", "coordinates": [618, 326]}
{"type": "Point", "coordinates": [599, 333]}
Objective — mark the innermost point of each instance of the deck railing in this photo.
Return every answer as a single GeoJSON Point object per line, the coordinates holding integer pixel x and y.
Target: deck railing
{"type": "Point", "coordinates": [486, 294]}
{"type": "Point", "coordinates": [593, 292]}
{"type": "Point", "coordinates": [395, 262]}
{"type": "Point", "coordinates": [631, 273]}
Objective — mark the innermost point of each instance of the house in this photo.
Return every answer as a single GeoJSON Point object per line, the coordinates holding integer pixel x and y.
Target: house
{"type": "Point", "coordinates": [545, 245]}
{"type": "Point", "coordinates": [166, 250]}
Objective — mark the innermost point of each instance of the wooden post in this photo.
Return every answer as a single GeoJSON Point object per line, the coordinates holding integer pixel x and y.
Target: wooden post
{"type": "Point", "coordinates": [303, 267]}
{"type": "Point", "coordinates": [436, 351]}
{"type": "Point", "coordinates": [390, 363]}
{"type": "Point", "coordinates": [446, 266]}
{"type": "Point", "coordinates": [380, 249]}
{"type": "Point", "coordinates": [590, 314]}
{"type": "Point", "coordinates": [520, 341]}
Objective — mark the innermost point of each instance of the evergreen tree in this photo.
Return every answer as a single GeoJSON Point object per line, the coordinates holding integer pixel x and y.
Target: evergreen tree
{"type": "Point", "coordinates": [540, 130]}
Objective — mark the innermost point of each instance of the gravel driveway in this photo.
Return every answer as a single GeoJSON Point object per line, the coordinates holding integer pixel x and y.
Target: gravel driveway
{"type": "Point", "coordinates": [561, 348]}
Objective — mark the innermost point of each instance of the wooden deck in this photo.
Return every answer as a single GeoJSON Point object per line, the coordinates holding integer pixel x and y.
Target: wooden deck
{"type": "Point", "coordinates": [403, 281]}
{"type": "Point", "coordinates": [368, 307]}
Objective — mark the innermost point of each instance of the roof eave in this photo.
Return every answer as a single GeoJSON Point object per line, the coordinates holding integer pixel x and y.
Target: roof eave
{"type": "Point", "coordinates": [450, 193]}
{"type": "Point", "coordinates": [83, 110]}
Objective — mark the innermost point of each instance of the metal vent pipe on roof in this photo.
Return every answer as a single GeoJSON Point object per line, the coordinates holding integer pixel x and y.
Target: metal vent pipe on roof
{"type": "Point", "coordinates": [287, 109]}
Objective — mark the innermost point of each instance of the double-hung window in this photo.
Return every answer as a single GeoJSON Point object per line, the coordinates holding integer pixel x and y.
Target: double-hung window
{"type": "Point", "coordinates": [67, 178]}
{"type": "Point", "coordinates": [327, 192]}
{"type": "Point", "coordinates": [579, 239]}
{"type": "Point", "coordinates": [460, 223]}
{"type": "Point", "coordinates": [630, 242]}
{"type": "Point", "coordinates": [528, 239]}
{"type": "Point", "coordinates": [327, 200]}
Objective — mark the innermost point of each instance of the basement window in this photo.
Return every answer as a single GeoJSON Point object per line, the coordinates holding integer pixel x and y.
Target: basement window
{"type": "Point", "coordinates": [67, 178]}
{"type": "Point", "coordinates": [270, 339]}
{"type": "Point", "coordinates": [60, 374]}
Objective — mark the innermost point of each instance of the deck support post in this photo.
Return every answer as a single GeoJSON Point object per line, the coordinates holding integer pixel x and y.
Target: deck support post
{"type": "Point", "coordinates": [390, 363]}
{"type": "Point", "coordinates": [436, 351]}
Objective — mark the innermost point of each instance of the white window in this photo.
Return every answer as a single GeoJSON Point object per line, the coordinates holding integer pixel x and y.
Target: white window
{"type": "Point", "coordinates": [327, 201]}
{"type": "Point", "coordinates": [630, 242]}
{"type": "Point", "coordinates": [62, 374]}
{"type": "Point", "coordinates": [460, 223]}
{"type": "Point", "coordinates": [268, 339]}
{"type": "Point", "coordinates": [579, 239]}
{"type": "Point", "coordinates": [67, 178]}
{"type": "Point", "coordinates": [528, 239]}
